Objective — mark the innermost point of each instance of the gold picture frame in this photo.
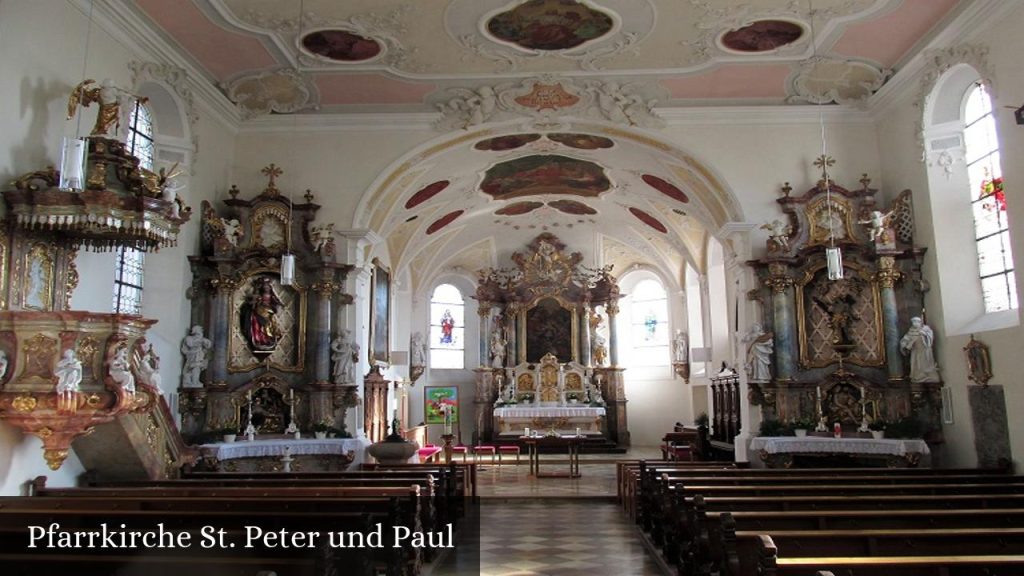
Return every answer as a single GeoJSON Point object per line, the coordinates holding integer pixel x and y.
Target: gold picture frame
{"type": "Point", "coordinates": [380, 314]}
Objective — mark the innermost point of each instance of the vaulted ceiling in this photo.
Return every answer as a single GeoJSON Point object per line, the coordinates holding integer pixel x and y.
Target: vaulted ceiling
{"type": "Point", "coordinates": [379, 55]}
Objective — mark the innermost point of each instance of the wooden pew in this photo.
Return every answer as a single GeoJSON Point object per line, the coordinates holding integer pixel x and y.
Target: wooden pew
{"type": "Point", "coordinates": [771, 564]}
{"type": "Point", "coordinates": [742, 549]}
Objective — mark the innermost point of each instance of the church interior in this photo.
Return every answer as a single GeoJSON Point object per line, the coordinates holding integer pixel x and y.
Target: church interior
{"type": "Point", "coordinates": [740, 275]}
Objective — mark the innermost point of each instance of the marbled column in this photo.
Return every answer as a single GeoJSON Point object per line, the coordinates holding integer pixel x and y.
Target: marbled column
{"type": "Point", "coordinates": [484, 311]}
{"type": "Point", "coordinates": [220, 324]}
{"type": "Point", "coordinates": [613, 335]}
{"type": "Point", "coordinates": [512, 329]}
{"type": "Point", "coordinates": [322, 336]}
{"type": "Point", "coordinates": [584, 323]}
{"type": "Point", "coordinates": [784, 313]}
{"type": "Point", "coordinates": [887, 276]}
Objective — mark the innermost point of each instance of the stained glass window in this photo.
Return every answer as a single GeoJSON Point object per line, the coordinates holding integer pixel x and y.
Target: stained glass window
{"type": "Point", "coordinates": [649, 318]}
{"type": "Point", "coordinates": [988, 204]}
{"type": "Point", "coordinates": [447, 328]}
{"type": "Point", "coordinates": [140, 135]}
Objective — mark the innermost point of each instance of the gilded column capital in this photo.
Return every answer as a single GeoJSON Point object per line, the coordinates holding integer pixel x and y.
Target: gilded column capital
{"type": "Point", "coordinates": [484, 309]}
{"type": "Point", "coordinates": [888, 275]}
{"type": "Point", "coordinates": [325, 288]}
{"type": "Point", "coordinates": [611, 309]}
{"type": "Point", "coordinates": [779, 282]}
{"type": "Point", "coordinates": [223, 284]}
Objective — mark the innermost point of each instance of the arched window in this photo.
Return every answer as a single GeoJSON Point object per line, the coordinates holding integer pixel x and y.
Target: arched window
{"type": "Point", "coordinates": [649, 331]}
{"type": "Point", "coordinates": [131, 263]}
{"type": "Point", "coordinates": [447, 328]}
{"type": "Point", "coordinates": [991, 233]}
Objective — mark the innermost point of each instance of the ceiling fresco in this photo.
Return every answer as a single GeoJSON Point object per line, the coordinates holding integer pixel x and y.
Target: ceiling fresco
{"type": "Point", "coordinates": [518, 208]}
{"type": "Point", "coordinates": [341, 45]}
{"type": "Point", "coordinates": [582, 141]}
{"type": "Point", "coordinates": [502, 143]}
{"type": "Point", "coordinates": [444, 221]}
{"type": "Point", "coordinates": [572, 207]}
{"type": "Point", "coordinates": [376, 55]}
{"type": "Point", "coordinates": [648, 219]}
{"type": "Point", "coordinates": [666, 188]}
{"type": "Point", "coordinates": [544, 174]}
{"type": "Point", "coordinates": [426, 193]}
{"type": "Point", "coordinates": [550, 24]}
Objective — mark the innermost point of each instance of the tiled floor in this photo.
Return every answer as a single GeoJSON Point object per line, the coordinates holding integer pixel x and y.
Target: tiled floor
{"type": "Point", "coordinates": [552, 526]}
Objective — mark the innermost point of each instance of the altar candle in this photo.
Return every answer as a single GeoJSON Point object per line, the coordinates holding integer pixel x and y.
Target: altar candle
{"type": "Point", "coordinates": [577, 431]}
{"type": "Point", "coordinates": [527, 432]}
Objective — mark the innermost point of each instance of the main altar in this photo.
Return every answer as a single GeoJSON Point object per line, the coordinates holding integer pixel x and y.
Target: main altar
{"type": "Point", "coordinates": [544, 363]}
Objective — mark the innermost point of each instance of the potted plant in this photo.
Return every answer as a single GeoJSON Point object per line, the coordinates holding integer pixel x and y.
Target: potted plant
{"type": "Point", "coordinates": [226, 434]}
{"type": "Point", "coordinates": [527, 398]}
{"type": "Point", "coordinates": [333, 432]}
{"type": "Point", "coordinates": [801, 425]}
{"type": "Point", "coordinates": [572, 397]}
{"type": "Point", "coordinates": [877, 428]}
{"type": "Point", "coordinates": [905, 427]}
{"type": "Point", "coordinates": [321, 428]}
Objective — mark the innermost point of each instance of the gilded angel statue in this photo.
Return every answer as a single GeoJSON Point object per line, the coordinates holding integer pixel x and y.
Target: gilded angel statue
{"type": "Point", "coordinates": [108, 96]}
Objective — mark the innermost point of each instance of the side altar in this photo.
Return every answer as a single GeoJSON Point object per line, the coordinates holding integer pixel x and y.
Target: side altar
{"type": "Point", "coordinates": [546, 365]}
{"type": "Point", "coordinates": [845, 340]}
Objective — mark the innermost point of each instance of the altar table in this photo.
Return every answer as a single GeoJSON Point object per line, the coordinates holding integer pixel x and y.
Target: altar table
{"type": "Point", "coordinates": [572, 443]}
{"type": "Point", "coordinates": [266, 453]}
{"type": "Point", "coordinates": [779, 451]}
{"type": "Point", "coordinates": [512, 420]}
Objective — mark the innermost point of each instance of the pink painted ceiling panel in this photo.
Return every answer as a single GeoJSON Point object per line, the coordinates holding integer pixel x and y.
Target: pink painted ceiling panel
{"type": "Point", "coordinates": [888, 38]}
{"type": "Point", "coordinates": [733, 81]}
{"type": "Point", "coordinates": [221, 52]}
{"type": "Point", "coordinates": [370, 89]}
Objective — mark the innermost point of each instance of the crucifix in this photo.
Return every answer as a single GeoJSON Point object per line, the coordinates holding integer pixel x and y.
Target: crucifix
{"type": "Point", "coordinates": [271, 172]}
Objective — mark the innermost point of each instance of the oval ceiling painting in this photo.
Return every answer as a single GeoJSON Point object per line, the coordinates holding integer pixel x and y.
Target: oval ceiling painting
{"type": "Point", "coordinates": [510, 142]}
{"type": "Point", "coordinates": [666, 188]}
{"type": "Point", "coordinates": [426, 193]}
{"type": "Point", "coordinates": [649, 220]}
{"type": "Point", "coordinates": [762, 36]}
{"type": "Point", "coordinates": [519, 208]}
{"type": "Point", "coordinates": [550, 25]}
{"type": "Point", "coordinates": [341, 45]}
{"type": "Point", "coordinates": [572, 207]}
{"type": "Point", "coordinates": [444, 221]}
{"type": "Point", "coordinates": [544, 174]}
{"type": "Point", "coordinates": [581, 141]}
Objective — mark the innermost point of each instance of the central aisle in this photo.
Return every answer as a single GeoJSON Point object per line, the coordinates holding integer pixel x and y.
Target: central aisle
{"type": "Point", "coordinates": [553, 526]}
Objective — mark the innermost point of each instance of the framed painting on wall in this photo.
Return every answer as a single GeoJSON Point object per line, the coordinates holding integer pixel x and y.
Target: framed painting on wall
{"type": "Point", "coordinates": [380, 314]}
{"type": "Point", "coordinates": [434, 400]}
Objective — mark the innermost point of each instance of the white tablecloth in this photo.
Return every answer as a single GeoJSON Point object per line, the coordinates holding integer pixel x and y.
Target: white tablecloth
{"type": "Point", "coordinates": [819, 444]}
{"type": "Point", "coordinates": [257, 448]}
{"type": "Point", "coordinates": [550, 412]}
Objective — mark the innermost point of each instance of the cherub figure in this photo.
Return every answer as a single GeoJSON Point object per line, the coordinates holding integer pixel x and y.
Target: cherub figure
{"type": "Point", "coordinates": [109, 97]}
{"type": "Point", "coordinates": [877, 223]}
{"type": "Point", "coordinates": [778, 235]}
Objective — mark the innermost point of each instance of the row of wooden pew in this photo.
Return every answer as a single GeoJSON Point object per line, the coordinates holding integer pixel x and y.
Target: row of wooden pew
{"type": "Point", "coordinates": [720, 519]}
{"type": "Point", "coordinates": [218, 514]}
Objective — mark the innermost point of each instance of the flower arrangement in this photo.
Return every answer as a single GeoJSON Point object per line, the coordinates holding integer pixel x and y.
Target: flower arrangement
{"type": "Point", "coordinates": [993, 188]}
{"type": "Point", "coordinates": [877, 424]}
{"type": "Point", "coordinates": [571, 396]}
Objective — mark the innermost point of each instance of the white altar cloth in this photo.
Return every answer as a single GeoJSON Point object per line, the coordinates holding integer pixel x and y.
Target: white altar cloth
{"type": "Point", "coordinates": [822, 445]}
{"type": "Point", "coordinates": [275, 447]}
{"type": "Point", "coordinates": [550, 412]}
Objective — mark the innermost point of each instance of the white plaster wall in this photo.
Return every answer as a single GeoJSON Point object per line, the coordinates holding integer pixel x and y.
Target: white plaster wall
{"type": "Point", "coordinates": [903, 169]}
{"type": "Point", "coordinates": [41, 75]}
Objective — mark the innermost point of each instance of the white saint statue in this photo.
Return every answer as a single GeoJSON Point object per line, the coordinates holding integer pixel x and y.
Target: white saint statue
{"type": "Point", "coordinates": [68, 372]}
{"type": "Point", "coordinates": [3, 364]}
{"type": "Point", "coordinates": [120, 369]}
{"type": "Point", "coordinates": [345, 355]}
{"type": "Point", "coordinates": [417, 350]}
{"type": "Point", "coordinates": [149, 368]}
{"type": "Point", "coordinates": [759, 354]}
{"type": "Point", "coordinates": [195, 347]}
{"type": "Point", "coordinates": [917, 342]}
{"type": "Point", "coordinates": [679, 347]}
{"type": "Point", "coordinates": [497, 350]}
